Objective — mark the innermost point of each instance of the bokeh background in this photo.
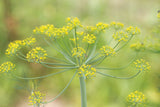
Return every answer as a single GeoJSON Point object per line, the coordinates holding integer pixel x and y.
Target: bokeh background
{"type": "Point", "coordinates": [19, 18]}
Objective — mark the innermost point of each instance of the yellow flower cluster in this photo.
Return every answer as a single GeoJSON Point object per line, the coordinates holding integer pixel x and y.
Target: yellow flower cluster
{"type": "Point", "coordinates": [79, 52]}
{"type": "Point", "coordinates": [28, 41]}
{"type": "Point", "coordinates": [142, 65]}
{"type": "Point", "coordinates": [36, 98]}
{"type": "Point", "coordinates": [87, 70]}
{"type": "Point", "coordinates": [138, 46]}
{"type": "Point", "coordinates": [15, 46]}
{"type": "Point", "coordinates": [102, 26]}
{"type": "Point", "coordinates": [7, 67]}
{"type": "Point", "coordinates": [44, 29]}
{"type": "Point", "coordinates": [136, 98]}
{"type": "Point", "coordinates": [89, 38]}
{"type": "Point", "coordinates": [158, 15]}
{"type": "Point", "coordinates": [73, 22]}
{"type": "Point", "coordinates": [117, 25]}
{"type": "Point", "coordinates": [80, 33]}
{"type": "Point", "coordinates": [37, 54]}
{"type": "Point", "coordinates": [107, 51]}
{"type": "Point", "coordinates": [90, 29]}
{"type": "Point", "coordinates": [133, 30]}
{"type": "Point", "coordinates": [50, 30]}
{"type": "Point", "coordinates": [120, 36]}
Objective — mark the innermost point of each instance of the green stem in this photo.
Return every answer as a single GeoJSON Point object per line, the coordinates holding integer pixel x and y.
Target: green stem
{"type": "Point", "coordinates": [83, 91]}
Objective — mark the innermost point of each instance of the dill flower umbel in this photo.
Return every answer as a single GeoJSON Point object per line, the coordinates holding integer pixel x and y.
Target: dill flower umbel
{"type": "Point", "coordinates": [13, 47]}
{"type": "Point", "coordinates": [89, 38]}
{"type": "Point", "coordinates": [7, 67]}
{"type": "Point", "coordinates": [120, 36]}
{"type": "Point", "coordinates": [107, 51]}
{"type": "Point", "coordinates": [117, 25]}
{"type": "Point", "coordinates": [37, 54]}
{"type": "Point", "coordinates": [139, 46]}
{"type": "Point", "coordinates": [133, 30]}
{"type": "Point", "coordinates": [142, 65]}
{"type": "Point", "coordinates": [136, 98]}
{"type": "Point", "coordinates": [36, 98]}
{"type": "Point", "coordinates": [102, 26]}
{"type": "Point", "coordinates": [73, 22]}
{"type": "Point", "coordinates": [87, 70]}
{"type": "Point", "coordinates": [28, 41]}
{"type": "Point", "coordinates": [79, 52]}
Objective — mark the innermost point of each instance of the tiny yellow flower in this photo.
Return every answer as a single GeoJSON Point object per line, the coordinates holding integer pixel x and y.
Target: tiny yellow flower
{"type": "Point", "coordinates": [89, 38]}
{"type": "Point", "coordinates": [7, 67]}
{"type": "Point", "coordinates": [107, 51]}
{"type": "Point", "coordinates": [37, 54]}
{"type": "Point", "coordinates": [139, 46]}
{"type": "Point", "coordinates": [87, 70]}
{"type": "Point", "coordinates": [142, 65]}
{"type": "Point", "coordinates": [120, 36]}
{"type": "Point", "coordinates": [13, 47]}
{"type": "Point", "coordinates": [133, 30]}
{"type": "Point", "coordinates": [36, 98]}
{"type": "Point", "coordinates": [79, 52]}
{"type": "Point", "coordinates": [136, 98]}
{"type": "Point", "coordinates": [117, 25]}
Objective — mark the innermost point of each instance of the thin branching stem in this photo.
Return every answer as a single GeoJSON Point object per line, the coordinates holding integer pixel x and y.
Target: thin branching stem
{"type": "Point", "coordinates": [62, 90]}
{"type": "Point", "coordinates": [118, 77]}
{"type": "Point", "coordinates": [58, 67]}
{"type": "Point", "coordinates": [40, 77]}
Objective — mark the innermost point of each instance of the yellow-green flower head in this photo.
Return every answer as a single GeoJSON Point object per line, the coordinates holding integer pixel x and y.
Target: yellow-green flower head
{"type": "Point", "coordinates": [78, 52]}
{"type": "Point", "coordinates": [59, 32]}
{"type": "Point", "coordinates": [142, 65]}
{"type": "Point", "coordinates": [89, 38]}
{"type": "Point", "coordinates": [136, 98]}
{"type": "Point", "coordinates": [7, 67]}
{"type": "Point", "coordinates": [73, 22]}
{"type": "Point", "coordinates": [13, 47]}
{"type": "Point", "coordinates": [158, 15]}
{"type": "Point", "coordinates": [36, 98]}
{"type": "Point", "coordinates": [80, 33]}
{"type": "Point", "coordinates": [120, 36]}
{"type": "Point", "coordinates": [90, 29]}
{"type": "Point", "coordinates": [28, 41]}
{"type": "Point", "coordinates": [44, 29]}
{"type": "Point", "coordinates": [37, 54]}
{"type": "Point", "coordinates": [117, 25]}
{"type": "Point", "coordinates": [101, 26]}
{"type": "Point", "coordinates": [133, 30]}
{"type": "Point", "coordinates": [50, 30]}
{"type": "Point", "coordinates": [139, 46]}
{"type": "Point", "coordinates": [87, 70]}
{"type": "Point", "coordinates": [107, 51]}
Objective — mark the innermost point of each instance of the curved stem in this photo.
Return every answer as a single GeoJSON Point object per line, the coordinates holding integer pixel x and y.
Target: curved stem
{"type": "Point", "coordinates": [31, 78]}
{"type": "Point", "coordinates": [118, 77]}
{"type": "Point", "coordinates": [83, 91]}
{"type": "Point", "coordinates": [57, 67]}
{"type": "Point", "coordinates": [58, 64]}
{"type": "Point", "coordinates": [62, 90]}
{"type": "Point", "coordinates": [119, 67]}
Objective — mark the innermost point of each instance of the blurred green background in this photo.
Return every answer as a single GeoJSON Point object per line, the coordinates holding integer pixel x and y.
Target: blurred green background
{"type": "Point", "coordinates": [19, 18]}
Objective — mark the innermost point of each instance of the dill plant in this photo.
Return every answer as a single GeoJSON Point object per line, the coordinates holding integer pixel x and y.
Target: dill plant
{"type": "Point", "coordinates": [78, 46]}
